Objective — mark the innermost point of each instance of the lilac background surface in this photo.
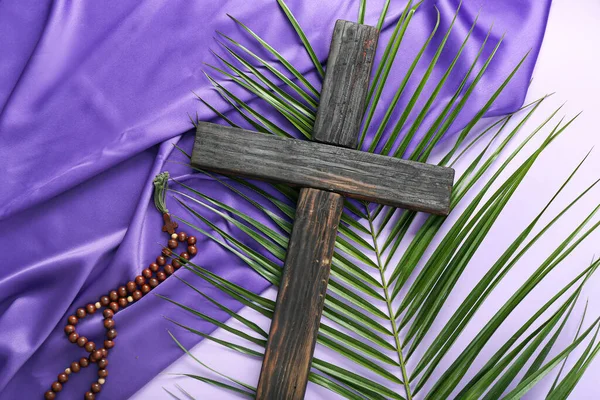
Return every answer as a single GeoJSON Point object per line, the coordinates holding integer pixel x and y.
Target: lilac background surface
{"type": "Point", "coordinates": [92, 98]}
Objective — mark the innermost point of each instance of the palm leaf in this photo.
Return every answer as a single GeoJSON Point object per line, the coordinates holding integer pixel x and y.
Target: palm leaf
{"type": "Point", "coordinates": [393, 271]}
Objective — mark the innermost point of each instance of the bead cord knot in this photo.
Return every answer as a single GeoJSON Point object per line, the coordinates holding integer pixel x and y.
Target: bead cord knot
{"type": "Point", "coordinates": [120, 298]}
{"type": "Point", "coordinates": [169, 225]}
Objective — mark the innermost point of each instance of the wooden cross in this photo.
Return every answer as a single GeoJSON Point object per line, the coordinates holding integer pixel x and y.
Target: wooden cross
{"type": "Point", "coordinates": [325, 171]}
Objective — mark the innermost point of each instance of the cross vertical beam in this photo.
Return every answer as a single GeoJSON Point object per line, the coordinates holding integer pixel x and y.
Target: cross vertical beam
{"type": "Point", "coordinates": [301, 296]}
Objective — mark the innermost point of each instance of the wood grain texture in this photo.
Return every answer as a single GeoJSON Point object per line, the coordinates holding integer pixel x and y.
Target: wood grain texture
{"type": "Point", "coordinates": [325, 171]}
{"type": "Point", "coordinates": [346, 83]}
{"type": "Point", "coordinates": [352, 173]}
{"type": "Point", "coordinates": [301, 296]}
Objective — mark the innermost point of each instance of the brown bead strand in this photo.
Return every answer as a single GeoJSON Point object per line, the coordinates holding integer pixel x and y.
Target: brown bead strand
{"type": "Point", "coordinates": [120, 298]}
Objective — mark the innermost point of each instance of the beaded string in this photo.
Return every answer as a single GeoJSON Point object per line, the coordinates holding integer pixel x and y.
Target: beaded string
{"type": "Point", "coordinates": [123, 296]}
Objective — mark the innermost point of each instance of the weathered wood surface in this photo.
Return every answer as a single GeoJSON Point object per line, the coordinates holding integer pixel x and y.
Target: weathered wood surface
{"type": "Point", "coordinates": [301, 296]}
{"type": "Point", "coordinates": [352, 173]}
{"type": "Point", "coordinates": [344, 93]}
{"type": "Point", "coordinates": [325, 172]}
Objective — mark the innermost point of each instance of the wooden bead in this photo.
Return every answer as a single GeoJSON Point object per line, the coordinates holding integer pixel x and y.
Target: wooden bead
{"type": "Point", "coordinates": [191, 240]}
{"type": "Point", "coordinates": [89, 396]}
{"type": "Point", "coordinates": [69, 329]}
{"type": "Point", "coordinates": [182, 236]}
{"type": "Point", "coordinates": [111, 333]}
{"type": "Point", "coordinates": [96, 387]}
{"type": "Point", "coordinates": [123, 302]}
{"type": "Point", "coordinates": [104, 300]}
{"type": "Point", "coordinates": [147, 273]}
{"type": "Point", "coordinates": [96, 355]}
{"type": "Point", "coordinates": [153, 267]}
{"type": "Point", "coordinates": [82, 341]}
{"type": "Point", "coordinates": [169, 269]}
{"type": "Point", "coordinates": [72, 320]}
{"type": "Point", "coordinates": [161, 276]}
{"type": "Point", "coordinates": [167, 252]}
{"type": "Point", "coordinates": [146, 289]}
{"type": "Point", "coordinates": [90, 308]}
{"type": "Point", "coordinates": [172, 244]}
{"type": "Point", "coordinates": [80, 313]}
{"type": "Point", "coordinates": [185, 256]}
{"type": "Point", "coordinates": [108, 313]}
{"type": "Point", "coordinates": [49, 395]}
{"type": "Point", "coordinates": [73, 337]}
{"type": "Point", "coordinates": [84, 362]}
{"type": "Point", "coordinates": [109, 323]}
{"type": "Point", "coordinates": [104, 353]}
{"type": "Point", "coordinates": [138, 281]}
{"type": "Point", "coordinates": [160, 260]}
{"type": "Point", "coordinates": [56, 387]}
{"type": "Point", "coordinates": [136, 295]}
{"type": "Point", "coordinates": [176, 264]}
{"type": "Point", "coordinates": [131, 287]}
{"type": "Point", "coordinates": [103, 363]}
{"type": "Point", "coordinates": [113, 306]}
{"type": "Point", "coordinates": [109, 344]}
{"type": "Point", "coordinates": [153, 282]}
{"type": "Point", "coordinates": [90, 346]}
{"type": "Point", "coordinates": [122, 291]}
{"type": "Point", "coordinates": [62, 378]}
{"type": "Point", "coordinates": [113, 295]}
{"type": "Point", "coordinates": [192, 250]}
{"type": "Point", "coordinates": [103, 373]}
{"type": "Point", "coordinates": [75, 367]}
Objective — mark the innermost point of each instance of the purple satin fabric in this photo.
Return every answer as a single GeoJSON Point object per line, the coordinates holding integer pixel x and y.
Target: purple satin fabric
{"type": "Point", "coordinates": [92, 97]}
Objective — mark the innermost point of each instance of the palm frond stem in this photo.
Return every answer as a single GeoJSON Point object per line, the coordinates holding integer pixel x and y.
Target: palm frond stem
{"type": "Point", "coordinates": [388, 301]}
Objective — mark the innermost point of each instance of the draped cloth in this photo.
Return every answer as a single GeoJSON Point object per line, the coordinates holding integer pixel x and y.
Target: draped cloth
{"type": "Point", "coordinates": [93, 95]}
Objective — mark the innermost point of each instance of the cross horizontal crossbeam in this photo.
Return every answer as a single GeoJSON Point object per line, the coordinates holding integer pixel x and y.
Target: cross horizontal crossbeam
{"type": "Point", "coordinates": [351, 173]}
